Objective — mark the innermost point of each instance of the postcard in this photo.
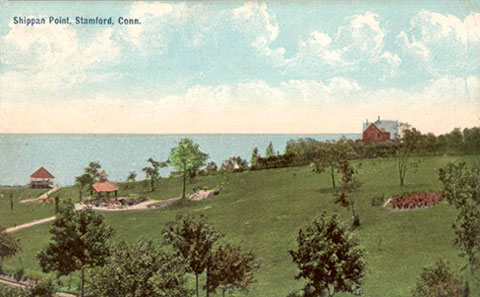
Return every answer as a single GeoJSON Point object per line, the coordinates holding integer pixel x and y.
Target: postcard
{"type": "Point", "coordinates": [239, 148]}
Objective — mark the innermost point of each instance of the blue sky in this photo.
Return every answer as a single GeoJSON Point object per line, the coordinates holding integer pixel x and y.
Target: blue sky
{"type": "Point", "coordinates": [240, 67]}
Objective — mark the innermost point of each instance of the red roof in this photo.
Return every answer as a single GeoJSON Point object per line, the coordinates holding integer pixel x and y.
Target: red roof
{"type": "Point", "coordinates": [105, 186]}
{"type": "Point", "coordinates": [41, 173]}
{"type": "Point", "coordinates": [103, 173]}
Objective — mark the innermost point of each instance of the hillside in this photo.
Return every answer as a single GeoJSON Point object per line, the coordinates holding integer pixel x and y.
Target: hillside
{"type": "Point", "coordinates": [264, 210]}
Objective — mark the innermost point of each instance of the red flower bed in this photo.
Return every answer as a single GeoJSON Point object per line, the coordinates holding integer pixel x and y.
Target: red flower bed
{"type": "Point", "coordinates": [414, 200]}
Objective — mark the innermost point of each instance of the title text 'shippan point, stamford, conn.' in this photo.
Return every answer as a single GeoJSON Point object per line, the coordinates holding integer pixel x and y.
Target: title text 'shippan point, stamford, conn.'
{"type": "Point", "coordinates": [31, 21]}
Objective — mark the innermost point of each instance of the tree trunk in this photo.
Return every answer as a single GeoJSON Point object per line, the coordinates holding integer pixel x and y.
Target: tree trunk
{"type": "Point", "coordinates": [196, 282]}
{"type": "Point", "coordinates": [82, 283]}
{"type": "Point", "coordinates": [333, 175]}
{"type": "Point", "coordinates": [223, 292]}
{"type": "Point", "coordinates": [81, 195]}
{"type": "Point", "coordinates": [184, 181]}
{"type": "Point", "coordinates": [152, 184]}
{"type": "Point", "coordinates": [208, 289]}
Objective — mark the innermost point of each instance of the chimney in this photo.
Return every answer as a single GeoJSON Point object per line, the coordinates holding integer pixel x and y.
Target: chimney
{"type": "Point", "coordinates": [366, 121]}
{"type": "Point", "coordinates": [379, 118]}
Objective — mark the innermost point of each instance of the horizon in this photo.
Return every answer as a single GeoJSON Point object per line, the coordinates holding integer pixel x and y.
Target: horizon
{"type": "Point", "coordinates": [239, 67]}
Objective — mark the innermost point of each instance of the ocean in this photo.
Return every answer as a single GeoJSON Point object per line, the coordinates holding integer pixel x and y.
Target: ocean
{"type": "Point", "coordinates": [66, 155]}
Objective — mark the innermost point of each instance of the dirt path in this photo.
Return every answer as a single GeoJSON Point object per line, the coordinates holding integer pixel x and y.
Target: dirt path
{"type": "Point", "coordinates": [27, 225]}
{"type": "Point", "coordinates": [141, 206]}
{"type": "Point", "coordinates": [43, 196]}
{"type": "Point", "coordinates": [23, 287]}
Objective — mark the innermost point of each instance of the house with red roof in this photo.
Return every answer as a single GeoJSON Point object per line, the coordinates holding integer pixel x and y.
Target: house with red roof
{"type": "Point", "coordinates": [103, 186]}
{"type": "Point", "coordinates": [41, 179]}
{"type": "Point", "coordinates": [375, 134]}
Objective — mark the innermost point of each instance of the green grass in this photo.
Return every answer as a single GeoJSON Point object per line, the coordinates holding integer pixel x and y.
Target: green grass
{"type": "Point", "coordinates": [264, 209]}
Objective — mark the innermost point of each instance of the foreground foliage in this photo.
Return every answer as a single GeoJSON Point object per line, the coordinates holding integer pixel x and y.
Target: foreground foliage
{"type": "Point", "coordinates": [439, 281]}
{"type": "Point", "coordinates": [192, 240]}
{"type": "Point", "coordinates": [139, 270]}
{"type": "Point", "coordinates": [78, 242]}
{"type": "Point", "coordinates": [230, 269]}
{"type": "Point", "coordinates": [462, 189]}
{"type": "Point", "coordinates": [9, 246]}
{"type": "Point", "coordinates": [329, 258]}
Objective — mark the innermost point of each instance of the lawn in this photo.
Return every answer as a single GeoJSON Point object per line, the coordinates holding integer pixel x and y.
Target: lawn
{"type": "Point", "coordinates": [264, 209]}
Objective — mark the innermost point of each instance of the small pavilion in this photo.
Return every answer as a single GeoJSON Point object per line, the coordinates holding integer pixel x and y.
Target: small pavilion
{"type": "Point", "coordinates": [41, 179]}
{"type": "Point", "coordinates": [104, 187]}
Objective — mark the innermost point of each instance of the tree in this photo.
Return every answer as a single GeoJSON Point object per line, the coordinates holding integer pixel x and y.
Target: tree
{"type": "Point", "coordinates": [211, 167]}
{"type": "Point", "coordinates": [439, 281]}
{"type": "Point", "coordinates": [78, 242]}
{"type": "Point", "coordinates": [408, 144]}
{"type": "Point", "coordinates": [229, 269]}
{"type": "Point", "coordinates": [187, 158]}
{"type": "Point", "coordinates": [132, 176]}
{"type": "Point", "coordinates": [347, 193]}
{"type": "Point", "coordinates": [269, 151]}
{"type": "Point", "coordinates": [254, 158]}
{"type": "Point", "coordinates": [153, 172]}
{"type": "Point", "coordinates": [331, 156]}
{"type": "Point", "coordinates": [9, 246]}
{"type": "Point", "coordinates": [11, 201]}
{"type": "Point", "coordinates": [192, 239]}
{"type": "Point", "coordinates": [88, 178]}
{"type": "Point", "coordinates": [329, 258]}
{"type": "Point", "coordinates": [81, 182]}
{"type": "Point", "coordinates": [139, 270]}
{"type": "Point", "coordinates": [462, 189]}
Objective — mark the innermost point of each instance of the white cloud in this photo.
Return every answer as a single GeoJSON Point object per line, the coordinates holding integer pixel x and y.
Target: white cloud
{"type": "Point", "coordinates": [442, 44]}
{"type": "Point", "coordinates": [48, 57]}
{"type": "Point", "coordinates": [253, 19]}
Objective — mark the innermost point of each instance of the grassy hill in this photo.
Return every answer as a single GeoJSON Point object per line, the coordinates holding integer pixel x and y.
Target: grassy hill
{"type": "Point", "coordinates": [264, 210]}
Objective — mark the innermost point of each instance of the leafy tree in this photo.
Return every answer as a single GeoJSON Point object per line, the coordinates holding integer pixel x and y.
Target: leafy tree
{"type": "Point", "coordinates": [78, 242]}
{"type": "Point", "coordinates": [81, 182]}
{"type": "Point", "coordinates": [192, 239]}
{"type": "Point", "coordinates": [187, 158]}
{"type": "Point", "coordinates": [462, 189]}
{"type": "Point", "coordinates": [329, 258]}
{"type": "Point", "coordinates": [269, 151]}
{"type": "Point", "coordinates": [211, 167]}
{"type": "Point", "coordinates": [139, 270]}
{"type": "Point", "coordinates": [439, 281]}
{"type": "Point", "coordinates": [153, 171]}
{"type": "Point", "coordinates": [347, 193]}
{"type": "Point", "coordinates": [229, 269]}
{"type": "Point", "coordinates": [132, 176]}
{"type": "Point", "coordinates": [9, 246]}
{"type": "Point", "coordinates": [408, 144]}
{"type": "Point", "coordinates": [88, 178]}
{"type": "Point", "coordinates": [331, 156]}
{"type": "Point", "coordinates": [254, 158]}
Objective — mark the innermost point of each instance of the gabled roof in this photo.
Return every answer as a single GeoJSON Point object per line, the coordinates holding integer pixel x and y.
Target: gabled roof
{"type": "Point", "coordinates": [375, 126]}
{"type": "Point", "coordinates": [41, 173]}
{"type": "Point", "coordinates": [105, 186]}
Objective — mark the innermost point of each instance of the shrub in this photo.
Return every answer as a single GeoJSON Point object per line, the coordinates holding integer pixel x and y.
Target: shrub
{"type": "Point", "coordinates": [19, 274]}
{"type": "Point", "coordinates": [378, 200]}
{"type": "Point", "coordinates": [45, 288]}
{"type": "Point", "coordinates": [439, 281]}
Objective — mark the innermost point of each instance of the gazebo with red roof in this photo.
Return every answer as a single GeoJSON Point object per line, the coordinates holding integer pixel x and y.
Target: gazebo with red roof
{"type": "Point", "coordinates": [41, 179]}
{"type": "Point", "coordinates": [104, 186]}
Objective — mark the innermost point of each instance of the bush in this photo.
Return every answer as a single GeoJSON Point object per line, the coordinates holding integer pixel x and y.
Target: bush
{"type": "Point", "coordinates": [439, 281]}
{"type": "Point", "coordinates": [6, 291]}
{"type": "Point", "coordinates": [44, 288]}
{"type": "Point", "coordinates": [378, 200]}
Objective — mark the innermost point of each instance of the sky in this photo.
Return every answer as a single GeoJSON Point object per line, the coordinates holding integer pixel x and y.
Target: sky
{"type": "Point", "coordinates": [240, 67]}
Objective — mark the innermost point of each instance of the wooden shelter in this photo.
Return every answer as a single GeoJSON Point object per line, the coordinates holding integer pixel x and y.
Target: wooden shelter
{"type": "Point", "coordinates": [41, 179]}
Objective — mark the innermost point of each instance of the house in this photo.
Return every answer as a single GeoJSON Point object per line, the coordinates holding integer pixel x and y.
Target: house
{"type": "Point", "coordinates": [41, 179]}
{"type": "Point", "coordinates": [388, 126]}
{"type": "Point", "coordinates": [103, 186]}
{"type": "Point", "coordinates": [380, 131]}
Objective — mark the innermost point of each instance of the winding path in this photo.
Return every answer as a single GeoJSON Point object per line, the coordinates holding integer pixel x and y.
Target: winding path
{"type": "Point", "coordinates": [141, 206]}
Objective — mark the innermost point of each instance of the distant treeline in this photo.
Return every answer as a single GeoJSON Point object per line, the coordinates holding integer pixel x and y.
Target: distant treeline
{"type": "Point", "coordinates": [305, 151]}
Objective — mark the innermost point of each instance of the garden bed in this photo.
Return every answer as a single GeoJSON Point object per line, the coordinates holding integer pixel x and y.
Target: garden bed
{"type": "Point", "coordinates": [414, 200]}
